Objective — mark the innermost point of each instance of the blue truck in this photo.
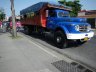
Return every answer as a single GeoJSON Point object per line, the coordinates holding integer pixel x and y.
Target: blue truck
{"type": "Point", "coordinates": [47, 17]}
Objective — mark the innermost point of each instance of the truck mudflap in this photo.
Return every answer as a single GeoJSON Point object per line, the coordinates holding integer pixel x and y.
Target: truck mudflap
{"type": "Point", "coordinates": [75, 36]}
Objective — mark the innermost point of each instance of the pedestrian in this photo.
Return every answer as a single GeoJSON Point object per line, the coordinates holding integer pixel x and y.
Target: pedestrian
{"type": "Point", "coordinates": [4, 26]}
{"type": "Point", "coordinates": [0, 25]}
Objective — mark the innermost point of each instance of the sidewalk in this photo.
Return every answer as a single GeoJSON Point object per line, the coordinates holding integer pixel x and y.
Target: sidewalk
{"type": "Point", "coordinates": [19, 55]}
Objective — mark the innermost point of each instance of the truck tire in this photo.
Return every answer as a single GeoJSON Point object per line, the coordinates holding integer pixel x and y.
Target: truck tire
{"type": "Point", "coordinates": [26, 30]}
{"type": "Point", "coordinates": [60, 39]}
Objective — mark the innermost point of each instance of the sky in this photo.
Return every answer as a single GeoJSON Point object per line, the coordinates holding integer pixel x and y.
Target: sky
{"type": "Point", "coordinates": [21, 4]}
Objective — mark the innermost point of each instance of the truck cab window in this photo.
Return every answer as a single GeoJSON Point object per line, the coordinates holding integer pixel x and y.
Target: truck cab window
{"type": "Point", "coordinates": [52, 13]}
{"type": "Point", "coordinates": [63, 14]}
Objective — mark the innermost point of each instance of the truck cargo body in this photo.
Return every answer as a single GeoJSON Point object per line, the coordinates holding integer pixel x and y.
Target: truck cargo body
{"type": "Point", "coordinates": [35, 17]}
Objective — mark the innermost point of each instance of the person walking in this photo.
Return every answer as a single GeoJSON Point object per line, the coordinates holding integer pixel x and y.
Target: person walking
{"type": "Point", "coordinates": [4, 26]}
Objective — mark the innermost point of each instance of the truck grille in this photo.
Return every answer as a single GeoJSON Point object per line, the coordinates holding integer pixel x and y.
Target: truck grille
{"type": "Point", "coordinates": [83, 28]}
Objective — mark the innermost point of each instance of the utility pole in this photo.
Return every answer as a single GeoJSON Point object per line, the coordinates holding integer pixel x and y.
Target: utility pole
{"type": "Point", "coordinates": [14, 32]}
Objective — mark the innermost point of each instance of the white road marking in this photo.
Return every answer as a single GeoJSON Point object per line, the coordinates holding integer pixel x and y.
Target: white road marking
{"type": "Point", "coordinates": [43, 49]}
{"type": "Point", "coordinates": [45, 70]}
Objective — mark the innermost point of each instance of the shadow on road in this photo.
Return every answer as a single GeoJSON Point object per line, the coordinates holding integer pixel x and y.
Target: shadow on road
{"type": "Point", "coordinates": [48, 38]}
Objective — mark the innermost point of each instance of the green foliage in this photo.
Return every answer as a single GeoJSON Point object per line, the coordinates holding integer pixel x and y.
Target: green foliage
{"type": "Point", "coordinates": [76, 6]}
{"type": "Point", "coordinates": [62, 2]}
{"type": "Point", "coordinates": [2, 14]}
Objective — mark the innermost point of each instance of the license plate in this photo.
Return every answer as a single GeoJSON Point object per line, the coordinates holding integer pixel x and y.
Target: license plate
{"type": "Point", "coordinates": [86, 38]}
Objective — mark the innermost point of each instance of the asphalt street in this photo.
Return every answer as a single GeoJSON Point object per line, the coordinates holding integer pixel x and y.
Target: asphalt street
{"type": "Point", "coordinates": [84, 54]}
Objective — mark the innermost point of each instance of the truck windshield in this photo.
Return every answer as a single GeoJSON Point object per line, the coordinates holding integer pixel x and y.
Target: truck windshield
{"type": "Point", "coordinates": [63, 14]}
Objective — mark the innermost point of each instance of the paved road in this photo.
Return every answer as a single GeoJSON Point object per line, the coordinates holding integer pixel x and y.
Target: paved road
{"type": "Point", "coordinates": [84, 54]}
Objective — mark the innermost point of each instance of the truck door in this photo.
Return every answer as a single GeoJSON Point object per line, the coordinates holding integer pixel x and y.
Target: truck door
{"type": "Point", "coordinates": [50, 19]}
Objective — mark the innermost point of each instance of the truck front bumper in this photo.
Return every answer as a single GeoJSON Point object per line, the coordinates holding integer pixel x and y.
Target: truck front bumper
{"type": "Point", "coordinates": [75, 36]}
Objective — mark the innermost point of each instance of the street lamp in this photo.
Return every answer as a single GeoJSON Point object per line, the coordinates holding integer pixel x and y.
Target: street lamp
{"type": "Point", "coordinates": [14, 33]}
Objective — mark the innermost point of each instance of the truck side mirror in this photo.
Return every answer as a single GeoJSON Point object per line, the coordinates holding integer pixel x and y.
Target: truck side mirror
{"type": "Point", "coordinates": [47, 11]}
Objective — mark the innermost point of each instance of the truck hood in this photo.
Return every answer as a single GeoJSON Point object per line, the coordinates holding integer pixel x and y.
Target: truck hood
{"type": "Point", "coordinates": [68, 19]}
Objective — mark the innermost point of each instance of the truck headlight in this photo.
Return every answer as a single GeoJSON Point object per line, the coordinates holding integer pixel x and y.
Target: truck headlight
{"type": "Point", "coordinates": [77, 27]}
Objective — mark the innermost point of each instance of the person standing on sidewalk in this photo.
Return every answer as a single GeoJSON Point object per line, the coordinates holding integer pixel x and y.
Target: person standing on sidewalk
{"type": "Point", "coordinates": [0, 25]}
{"type": "Point", "coordinates": [4, 26]}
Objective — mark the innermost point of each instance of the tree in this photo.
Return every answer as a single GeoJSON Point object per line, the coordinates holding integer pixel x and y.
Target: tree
{"type": "Point", "coordinates": [62, 2]}
{"type": "Point", "coordinates": [2, 14]}
{"type": "Point", "coordinates": [76, 6]}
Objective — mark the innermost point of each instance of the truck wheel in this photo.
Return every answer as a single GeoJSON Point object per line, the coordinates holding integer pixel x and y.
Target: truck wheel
{"type": "Point", "coordinates": [26, 30]}
{"type": "Point", "coordinates": [60, 39]}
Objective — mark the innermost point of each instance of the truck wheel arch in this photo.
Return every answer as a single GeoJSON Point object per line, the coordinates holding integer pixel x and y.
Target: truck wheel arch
{"type": "Point", "coordinates": [64, 30]}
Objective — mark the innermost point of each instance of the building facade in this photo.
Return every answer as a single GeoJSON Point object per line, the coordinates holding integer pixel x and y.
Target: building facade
{"type": "Point", "coordinates": [90, 16]}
